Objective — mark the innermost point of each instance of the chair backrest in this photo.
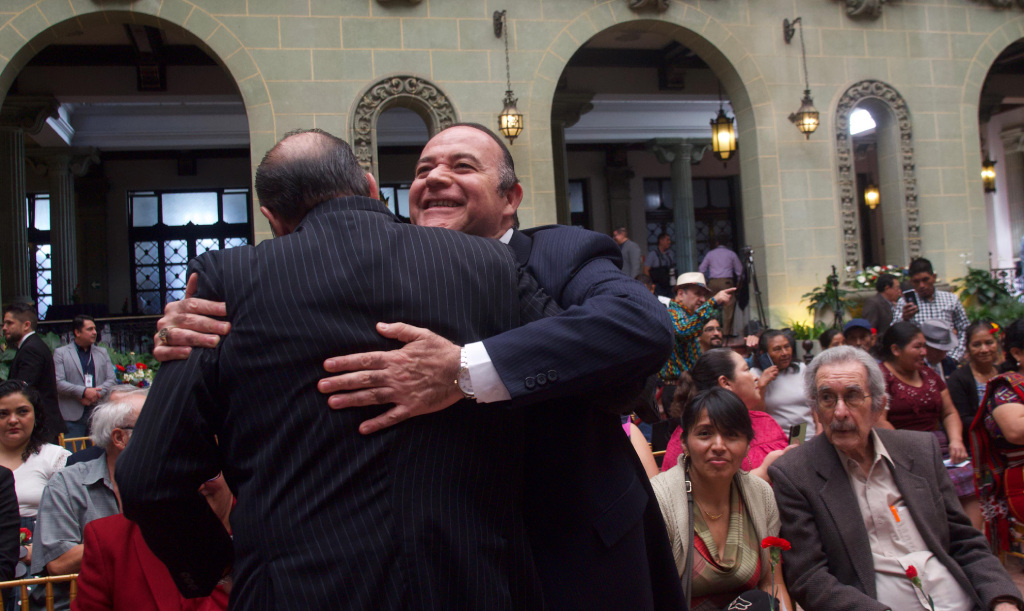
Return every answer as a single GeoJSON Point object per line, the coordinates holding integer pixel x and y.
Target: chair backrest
{"type": "Point", "coordinates": [74, 444]}
{"type": "Point", "coordinates": [47, 582]}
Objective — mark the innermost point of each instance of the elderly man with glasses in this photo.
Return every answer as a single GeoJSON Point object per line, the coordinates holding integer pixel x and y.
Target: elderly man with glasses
{"type": "Point", "coordinates": [863, 506]}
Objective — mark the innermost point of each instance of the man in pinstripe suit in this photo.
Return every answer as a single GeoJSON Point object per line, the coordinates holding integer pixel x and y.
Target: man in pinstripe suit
{"type": "Point", "coordinates": [597, 533]}
{"type": "Point", "coordinates": [423, 516]}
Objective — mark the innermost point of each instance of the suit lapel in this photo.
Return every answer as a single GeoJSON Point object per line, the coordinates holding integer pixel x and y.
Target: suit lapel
{"type": "Point", "coordinates": [521, 245]}
{"type": "Point", "coordinates": [837, 496]}
{"type": "Point", "coordinates": [161, 586]}
{"type": "Point", "coordinates": [77, 360]}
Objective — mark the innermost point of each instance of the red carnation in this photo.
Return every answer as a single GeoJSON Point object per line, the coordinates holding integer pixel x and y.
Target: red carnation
{"type": "Point", "coordinates": [911, 572]}
{"type": "Point", "coordinates": [120, 368]}
{"type": "Point", "coordinates": [140, 365]}
{"type": "Point", "coordinates": [778, 542]}
{"type": "Point", "coordinates": [26, 535]}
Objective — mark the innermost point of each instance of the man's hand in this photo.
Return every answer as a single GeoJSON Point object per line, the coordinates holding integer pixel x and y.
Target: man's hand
{"type": "Point", "coordinates": [752, 341]}
{"type": "Point", "coordinates": [418, 378]}
{"type": "Point", "coordinates": [188, 323]}
{"type": "Point", "coordinates": [909, 310]}
{"type": "Point", "coordinates": [724, 296]}
{"type": "Point", "coordinates": [92, 395]}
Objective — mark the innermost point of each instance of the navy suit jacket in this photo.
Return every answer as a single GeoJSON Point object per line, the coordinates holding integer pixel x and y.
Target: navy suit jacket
{"type": "Point", "coordinates": [425, 515]}
{"type": "Point", "coordinates": [597, 532]}
{"type": "Point", "coordinates": [33, 363]}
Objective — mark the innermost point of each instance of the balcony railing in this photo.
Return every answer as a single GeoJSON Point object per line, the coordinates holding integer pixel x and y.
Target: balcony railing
{"type": "Point", "coordinates": [123, 333]}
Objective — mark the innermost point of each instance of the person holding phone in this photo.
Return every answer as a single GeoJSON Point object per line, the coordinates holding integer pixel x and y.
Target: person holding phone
{"type": "Point", "coordinates": [780, 381]}
{"type": "Point", "coordinates": [927, 303]}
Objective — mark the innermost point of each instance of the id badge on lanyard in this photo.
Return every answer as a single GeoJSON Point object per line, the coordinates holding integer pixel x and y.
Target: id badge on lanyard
{"type": "Point", "coordinates": [88, 380]}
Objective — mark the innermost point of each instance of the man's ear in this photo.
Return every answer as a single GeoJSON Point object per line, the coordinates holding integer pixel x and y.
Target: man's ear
{"type": "Point", "coordinates": [279, 225]}
{"type": "Point", "coordinates": [119, 437]}
{"type": "Point", "coordinates": [513, 198]}
{"type": "Point", "coordinates": [373, 188]}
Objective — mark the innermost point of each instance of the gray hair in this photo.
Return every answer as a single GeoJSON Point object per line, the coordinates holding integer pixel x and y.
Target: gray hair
{"type": "Point", "coordinates": [838, 356]}
{"type": "Point", "coordinates": [114, 414]}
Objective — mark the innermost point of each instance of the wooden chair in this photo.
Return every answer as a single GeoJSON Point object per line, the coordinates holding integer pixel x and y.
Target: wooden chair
{"type": "Point", "coordinates": [23, 584]}
{"type": "Point", "coordinates": [76, 443]}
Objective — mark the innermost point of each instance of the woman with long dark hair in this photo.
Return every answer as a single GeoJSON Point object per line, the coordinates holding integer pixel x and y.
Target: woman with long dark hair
{"type": "Point", "coordinates": [716, 514]}
{"type": "Point", "coordinates": [968, 383]}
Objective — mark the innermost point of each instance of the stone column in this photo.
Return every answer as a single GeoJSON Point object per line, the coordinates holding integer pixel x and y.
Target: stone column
{"type": "Point", "coordinates": [61, 167]}
{"type": "Point", "coordinates": [15, 262]}
{"type": "Point", "coordinates": [619, 177]}
{"type": "Point", "coordinates": [566, 110]}
{"type": "Point", "coordinates": [19, 114]}
{"type": "Point", "coordinates": [681, 154]}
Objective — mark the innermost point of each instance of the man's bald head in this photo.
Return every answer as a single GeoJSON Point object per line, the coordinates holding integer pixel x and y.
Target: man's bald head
{"type": "Point", "coordinates": [305, 168]}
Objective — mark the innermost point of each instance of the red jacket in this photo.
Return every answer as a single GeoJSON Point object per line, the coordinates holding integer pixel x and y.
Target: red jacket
{"type": "Point", "coordinates": [119, 572]}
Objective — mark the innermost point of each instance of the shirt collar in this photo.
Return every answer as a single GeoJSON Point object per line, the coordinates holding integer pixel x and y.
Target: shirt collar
{"type": "Point", "coordinates": [881, 453]}
{"type": "Point", "coordinates": [24, 337]}
{"type": "Point", "coordinates": [507, 236]}
{"type": "Point", "coordinates": [96, 470]}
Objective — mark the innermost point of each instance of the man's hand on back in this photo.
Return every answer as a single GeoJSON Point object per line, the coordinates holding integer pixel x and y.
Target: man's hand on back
{"type": "Point", "coordinates": [418, 378]}
{"type": "Point", "coordinates": [188, 323]}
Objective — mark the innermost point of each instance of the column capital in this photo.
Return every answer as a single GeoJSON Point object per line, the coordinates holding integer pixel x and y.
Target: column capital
{"type": "Point", "coordinates": [667, 150]}
{"type": "Point", "coordinates": [76, 159]}
{"type": "Point", "coordinates": [569, 106]}
{"type": "Point", "coordinates": [28, 112]}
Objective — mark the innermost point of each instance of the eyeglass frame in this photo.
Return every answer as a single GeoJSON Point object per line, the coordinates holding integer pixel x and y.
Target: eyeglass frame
{"type": "Point", "coordinates": [857, 405]}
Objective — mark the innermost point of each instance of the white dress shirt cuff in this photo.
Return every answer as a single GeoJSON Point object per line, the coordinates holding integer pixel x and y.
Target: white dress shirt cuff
{"type": "Point", "coordinates": [487, 384]}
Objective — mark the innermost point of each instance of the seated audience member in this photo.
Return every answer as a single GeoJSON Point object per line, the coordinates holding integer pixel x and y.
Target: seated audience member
{"type": "Point", "coordinates": [831, 338]}
{"type": "Point", "coordinates": [24, 451]}
{"type": "Point", "coordinates": [967, 384]}
{"type": "Point", "coordinates": [116, 393]}
{"type": "Point", "coordinates": [938, 341]}
{"type": "Point", "coordinates": [710, 336]}
{"type": "Point", "coordinates": [862, 505]}
{"type": "Point", "coordinates": [860, 334]}
{"type": "Point", "coordinates": [723, 368]}
{"type": "Point", "coordinates": [997, 442]}
{"type": "Point", "coordinates": [718, 559]}
{"type": "Point", "coordinates": [780, 379]}
{"type": "Point", "coordinates": [120, 573]}
{"type": "Point", "coordinates": [919, 401]}
{"type": "Point", "coordinates": [85, 491]}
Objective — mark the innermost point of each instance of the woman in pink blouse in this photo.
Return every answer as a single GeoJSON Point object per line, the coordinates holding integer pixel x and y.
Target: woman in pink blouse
{"type": "Point", "coordinates": [724, 368]}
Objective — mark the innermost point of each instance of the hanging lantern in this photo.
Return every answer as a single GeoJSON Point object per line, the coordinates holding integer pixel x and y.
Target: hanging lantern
{"type": "Point", "coordinates": [988, 175]}
{"type": "Point", "coordinates": [806, 119]}
{"type": "Point", "coordinates": [871, 196]}
{"type": "Point", "coordinates": [510, 121]}
{"type": "Point", "coordinates": [723, 135]}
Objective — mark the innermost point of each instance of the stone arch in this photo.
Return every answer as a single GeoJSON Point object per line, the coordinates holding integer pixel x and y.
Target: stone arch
{"type": "Point", "coordinates": [412, 92]}
{"type": "Point", "coordinates": [737, 69]}
{"type": "Point", "coordinates": [994, 44]}
{"type": "Point", "coordinates": [218, 41]}
{"type": "Point", "coordinates": [886, 96]}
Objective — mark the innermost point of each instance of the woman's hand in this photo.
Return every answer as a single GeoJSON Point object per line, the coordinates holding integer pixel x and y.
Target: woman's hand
{"type": "Point", "coordinates": [762, 469]}
{"type": "Point", "coordinates": [957, 451]}
{"type": "Point", "coordinates": [767, 376]}
{"type": "Point", "coordinates": [28, 557]}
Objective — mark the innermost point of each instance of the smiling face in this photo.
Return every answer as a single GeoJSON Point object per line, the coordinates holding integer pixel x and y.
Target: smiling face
{"type": "Point", "coordinates": [711, 336]}
{"type": "Point", "coordinates": [17, 420]}
{"type": "Point", "coordinates": [714, 454]}
{"type": "Point", "coordinates": [982, 348]}
{"type": "Point", "coordinates": [781, 352]}
{"type": "Point", "coordinates": [456, 185]}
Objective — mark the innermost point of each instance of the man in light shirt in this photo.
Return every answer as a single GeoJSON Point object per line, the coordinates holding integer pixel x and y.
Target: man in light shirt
{"type": "Point", "coordinates": [723, 270]}
{"type": "Point", "coordinates": [862, 506]}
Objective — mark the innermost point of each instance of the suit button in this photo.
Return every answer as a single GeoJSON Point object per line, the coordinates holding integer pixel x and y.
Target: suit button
{"type": "Point", "coordinates": [542, 379]}
{"type": "Point", "coordinates": [530, 383]}
{"type": "Point", "coordinates": [552, 376]}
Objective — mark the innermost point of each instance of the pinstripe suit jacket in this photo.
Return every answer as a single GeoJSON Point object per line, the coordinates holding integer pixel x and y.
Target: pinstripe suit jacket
{"type": "Point", "coordinates": [598, 536]}
{"type": "Point", "coordinates": [425, 515]}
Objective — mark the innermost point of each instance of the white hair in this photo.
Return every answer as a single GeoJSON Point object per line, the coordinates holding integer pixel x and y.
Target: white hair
{"type": "Point", "coordinates": [846, 354]}
{"type": "Point", "coordinates": [113, 414]}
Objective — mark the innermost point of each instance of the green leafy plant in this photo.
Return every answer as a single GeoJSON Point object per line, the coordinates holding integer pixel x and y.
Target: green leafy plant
{"type": "Point", "coordinates": [979, 288]}
{"type": "Point", "coordinates": [828, 297]}
{"type": "Point", "coordinates": [802, 331]}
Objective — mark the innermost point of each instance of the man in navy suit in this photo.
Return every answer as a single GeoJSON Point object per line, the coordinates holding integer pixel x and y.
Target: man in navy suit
{"type": "Point", "coordinates": [424, 516]}
{"type": "Point", "coordinates": [596, 531]}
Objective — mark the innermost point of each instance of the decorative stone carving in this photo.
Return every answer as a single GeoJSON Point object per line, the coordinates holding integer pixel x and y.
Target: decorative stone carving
{"type": "Point", "coordinates": [659, 5]}
{"type": "Point", "coordinates": [412, 92]}
{"type": "Point", "coordinates": [871, 9]}
{"type": "Point", "coordinates": [877, 90]}
{"type": "Point", "coordinates": [28, 112]}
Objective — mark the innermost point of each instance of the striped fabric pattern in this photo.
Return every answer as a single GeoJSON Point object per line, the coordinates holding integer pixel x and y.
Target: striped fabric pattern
{"type": "Point", "coordinates": [424, 515]}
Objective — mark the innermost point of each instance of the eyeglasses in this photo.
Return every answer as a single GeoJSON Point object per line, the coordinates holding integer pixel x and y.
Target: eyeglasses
{"type": "Point", "coordinates": [853, 399]}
